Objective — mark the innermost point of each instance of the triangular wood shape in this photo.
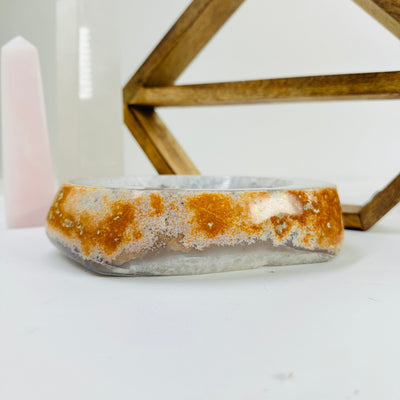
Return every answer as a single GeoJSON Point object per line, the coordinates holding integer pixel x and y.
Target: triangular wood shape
{"type": "Point", "coordinates": [152, 86]}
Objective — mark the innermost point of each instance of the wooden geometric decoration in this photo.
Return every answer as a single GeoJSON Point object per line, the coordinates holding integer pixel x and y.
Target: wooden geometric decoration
{"type": "Point", "coordinates": [153, 86]}
{"type": "Point", "coordinates": [356, 217]}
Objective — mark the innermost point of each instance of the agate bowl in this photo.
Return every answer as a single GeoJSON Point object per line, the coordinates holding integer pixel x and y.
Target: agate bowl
{"type": "Point", "coordinates": [173, 225]}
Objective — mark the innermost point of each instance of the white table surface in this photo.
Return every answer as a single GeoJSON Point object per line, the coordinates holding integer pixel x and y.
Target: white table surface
{"type": "Point", "coordinates": [322, 331]}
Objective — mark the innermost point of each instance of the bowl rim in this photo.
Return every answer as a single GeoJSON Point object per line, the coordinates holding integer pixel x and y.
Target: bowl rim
{"type": "Point", "coordinates": [178, 183]}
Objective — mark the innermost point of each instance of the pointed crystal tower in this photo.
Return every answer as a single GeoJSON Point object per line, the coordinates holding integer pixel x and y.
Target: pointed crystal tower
{"type": "Point", "coordinates": [89, 99]}
{"type": "Point", "coordinates": [28, 174]}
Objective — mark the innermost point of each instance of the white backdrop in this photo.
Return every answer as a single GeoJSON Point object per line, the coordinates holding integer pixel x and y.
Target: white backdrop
{"type": "Point", "coordinates": [327, 331]}
{"type": "Point", "coordinates": [264, 39]}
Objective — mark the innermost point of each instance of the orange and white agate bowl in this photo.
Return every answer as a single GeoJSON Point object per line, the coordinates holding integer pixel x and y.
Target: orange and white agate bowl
{"type": "Point", "coordinates": [173, 225]}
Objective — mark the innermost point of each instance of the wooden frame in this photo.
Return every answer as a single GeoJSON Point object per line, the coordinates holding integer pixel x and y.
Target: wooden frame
{"type": "Point", "coordinates": [152, 86]}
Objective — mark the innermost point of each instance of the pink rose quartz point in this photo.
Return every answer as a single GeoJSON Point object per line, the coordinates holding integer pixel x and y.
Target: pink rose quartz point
{"type": "Point", "coordinates": [27, 170]}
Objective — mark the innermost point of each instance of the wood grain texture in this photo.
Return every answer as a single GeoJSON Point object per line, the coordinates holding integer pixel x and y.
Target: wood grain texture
{"type": "Point", "coordinates": [380, 85]}
{"type": "Point", "coordinates": [181, 44]}
{"type": "Point", "coordinates": [387, 12]}
{"type": "Point", "coordinates": [351, 216]}
{"type": "Point", "coordinates": [363, 218]}
{"type": "Point", "coordinates": [380, 204]}
{"type": "Point", "coordinates": [157, 142]}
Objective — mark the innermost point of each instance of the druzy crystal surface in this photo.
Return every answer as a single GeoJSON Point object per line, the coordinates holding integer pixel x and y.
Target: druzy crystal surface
{"type": "Point", "coordinates": [172, 225]}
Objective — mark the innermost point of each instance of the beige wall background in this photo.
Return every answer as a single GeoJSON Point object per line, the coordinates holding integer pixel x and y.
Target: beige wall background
{"type": "Point", "coordinates": [264, 39]}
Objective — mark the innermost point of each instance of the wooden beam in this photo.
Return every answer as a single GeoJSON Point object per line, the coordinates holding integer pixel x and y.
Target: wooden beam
{"type": "Point", "coordinates": [379, 85]}
{"type": "Point", "coordinates": [363, 218]}
{"type": "Point", "coordinates": [191, 32]}
{"type": "Point", "coordinates": [351, 217]}
{"type": "Point", "coordinates": [157, 142]}
{"type": "Point", "coordinates": [380, 204]}
{"type": "Point", "coordinates": [387, 12]}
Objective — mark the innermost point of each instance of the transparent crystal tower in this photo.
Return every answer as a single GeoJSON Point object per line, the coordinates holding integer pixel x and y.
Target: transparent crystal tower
{"type": "Point", "coordinates": [89, 116]}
